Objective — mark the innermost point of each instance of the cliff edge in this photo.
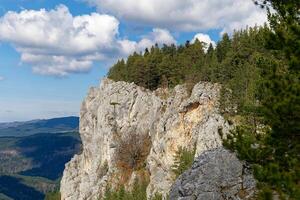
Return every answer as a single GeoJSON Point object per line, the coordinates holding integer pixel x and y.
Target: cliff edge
{"type": "Point", "coordinates": [130, 133]}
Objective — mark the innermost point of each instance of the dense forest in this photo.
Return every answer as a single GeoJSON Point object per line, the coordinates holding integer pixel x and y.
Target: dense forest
{"type": "Point", "coordinates": [235, 62]}
{"type": "Point", "coordinates": [259, 69]}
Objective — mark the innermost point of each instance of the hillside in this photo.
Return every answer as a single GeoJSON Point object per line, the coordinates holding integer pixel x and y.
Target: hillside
{"type": "Point", "coordinates": [56, 125]}
{"type": "Point", "coordinates": [31, 165]}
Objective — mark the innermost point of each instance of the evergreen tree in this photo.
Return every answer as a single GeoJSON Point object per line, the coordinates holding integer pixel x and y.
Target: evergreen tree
{"type": "Point", "coordinates": [282, 85]}
{"type": "Point", "coordinates": [223, 47]}
{"type": "Point", "coordinates": [275, 159]}
{"type": "Point", "coordinates": [210, 50]}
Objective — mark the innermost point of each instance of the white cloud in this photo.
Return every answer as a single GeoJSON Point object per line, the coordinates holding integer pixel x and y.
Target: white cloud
{"type": "Point", "coordinates": [188, 15]}
{"type": "Point", "coordinates": [56, 43]}
{"type": "Point", "coordinates": [157, 36]}
{"type": "Point", "coordinates": [204, 38]}
{"type": "Point", "coordinates": [45, 31]}
{"type": "Point", "coordinates": [1, 78]}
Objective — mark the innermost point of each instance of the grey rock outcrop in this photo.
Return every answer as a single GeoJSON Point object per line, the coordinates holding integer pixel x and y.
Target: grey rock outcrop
{"type": "Point", "coordinates": [116, 111]}
{"type": "Point", "coordinates": [216, 174]}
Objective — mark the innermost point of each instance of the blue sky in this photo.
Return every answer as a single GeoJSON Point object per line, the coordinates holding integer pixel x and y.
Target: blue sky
{"type": "Point", "coordinates": [47, 73]}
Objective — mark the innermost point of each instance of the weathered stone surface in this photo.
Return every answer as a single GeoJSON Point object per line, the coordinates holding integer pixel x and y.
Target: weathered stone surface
{"type": "Point", "coordinates": [216, 174]}
{"type": "Point", "coordinates": [171, 118]}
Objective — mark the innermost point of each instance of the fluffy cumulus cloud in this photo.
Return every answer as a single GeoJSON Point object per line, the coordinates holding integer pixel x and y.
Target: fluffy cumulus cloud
{"type": "Point", "coordinates": [157, 36]}
{"type": "Point", "coordinates": [188, 15]}
{"type": "Point", "coordinates": [205, 39]}
{"type": "Point", "coordinates": [56, 43]}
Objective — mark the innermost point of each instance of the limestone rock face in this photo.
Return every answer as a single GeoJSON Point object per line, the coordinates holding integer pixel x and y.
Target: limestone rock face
{"type": "Point", "coordinates": [216, 174]}
{"type": "Point", "coordinates": [171, 119]}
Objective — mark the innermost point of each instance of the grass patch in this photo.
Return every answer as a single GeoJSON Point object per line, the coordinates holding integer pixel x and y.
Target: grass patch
{"type": "Point", "coordinates": [184, 159]}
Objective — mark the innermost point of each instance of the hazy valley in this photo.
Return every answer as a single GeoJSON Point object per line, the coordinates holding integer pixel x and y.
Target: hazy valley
{"type": "Point", "coordinates": [33, 155]}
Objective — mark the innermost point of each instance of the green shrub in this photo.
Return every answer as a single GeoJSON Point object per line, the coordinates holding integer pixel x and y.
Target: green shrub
{"type": "Point", "coordinates": [275, 162]}
{"type": "Point", "coordinates": [138, 193]}
{"type": "Point", "coordinates": [184, 159]}
{"type": "Point", "coordinates": [157, 196]}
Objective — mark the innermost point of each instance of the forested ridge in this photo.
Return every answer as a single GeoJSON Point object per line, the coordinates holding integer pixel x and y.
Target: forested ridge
{"type": "Point", "coordinates": [235, 62]}
{"type": "Point", "coordinates": [259, 69]}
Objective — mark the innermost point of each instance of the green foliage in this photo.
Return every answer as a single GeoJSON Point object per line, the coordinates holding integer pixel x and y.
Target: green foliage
{"type": "Point", "coordinates": [240, 72]}
{"type": "Point", "coordinates": [281, 102]}
{"type": "Point", "coordinates": [275, 162]}
{"type": "Point", "coordinates": [184, 159]}
{"type": "Point", "coordinates": [223, 48]}
{"type": "Point", "coordinates": [274, 154]}
{"type": "Point", "coordinates": [138, 193]}
{"type": "Point", "coordinates": [249, 146]}
{"type": "Point", "coordinates": [235, 62]}
{"type": "Point", "coordinates": [259, 69]}
{"type": "Point", "coordinates": [158, 196]}
{"type": "Point", "coordinates": [166, 66]}
{"type": "Point", "coordinates": [53, 196]}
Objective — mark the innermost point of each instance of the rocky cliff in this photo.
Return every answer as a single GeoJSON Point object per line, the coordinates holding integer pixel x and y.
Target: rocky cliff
{"type": "Point", "coordinates": [215, 174]}
{"type": "Point", "coordinates": [130, 133]}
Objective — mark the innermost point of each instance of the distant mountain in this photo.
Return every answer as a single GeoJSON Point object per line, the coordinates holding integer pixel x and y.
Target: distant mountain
{"type": "Point", "coordinates": [33, 156]}
{"type": "Point", "coordinates": [56, 125]}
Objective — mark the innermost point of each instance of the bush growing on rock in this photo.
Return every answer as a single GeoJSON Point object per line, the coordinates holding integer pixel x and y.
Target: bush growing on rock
{"type": "Point", "coordinates": [184, 159]}
{"type": "Point", "coordinates": [132, 152]}
{"type": "Point", "coordinates": [138, 193]}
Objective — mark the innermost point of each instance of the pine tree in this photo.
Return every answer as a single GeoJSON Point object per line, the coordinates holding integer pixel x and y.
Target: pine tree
{"type": "Point", "coordinates": [223, 47]}
{"type": "Point", "coordinates": [275, 159]}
